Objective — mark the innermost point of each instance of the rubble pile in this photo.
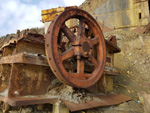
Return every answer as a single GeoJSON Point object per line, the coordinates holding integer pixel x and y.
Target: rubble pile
{"type": "Point", "coordinates": [65, 92]}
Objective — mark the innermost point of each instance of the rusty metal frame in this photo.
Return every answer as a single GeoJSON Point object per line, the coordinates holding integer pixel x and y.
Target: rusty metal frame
{"type": "Point", "coordinates": [106, 100]}
{"type": "Point", "coordinates": [23, 101]}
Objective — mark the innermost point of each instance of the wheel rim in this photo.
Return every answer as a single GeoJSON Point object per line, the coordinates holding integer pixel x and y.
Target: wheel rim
{"type": "Point", "coordinates": [82, 47]}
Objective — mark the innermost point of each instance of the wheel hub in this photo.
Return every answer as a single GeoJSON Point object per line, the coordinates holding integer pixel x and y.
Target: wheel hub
{"type": "Point", "coordinates": [86, 47]}
{"type": "Point", "coordinates": [82, 46]}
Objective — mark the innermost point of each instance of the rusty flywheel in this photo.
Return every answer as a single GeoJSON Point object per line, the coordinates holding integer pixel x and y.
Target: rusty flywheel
{"type": "Point", "coordinates": [76, 54]}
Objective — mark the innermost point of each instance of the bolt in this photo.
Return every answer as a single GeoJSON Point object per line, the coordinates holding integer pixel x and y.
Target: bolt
{"type": "Point", "coordinates": [86, 53]}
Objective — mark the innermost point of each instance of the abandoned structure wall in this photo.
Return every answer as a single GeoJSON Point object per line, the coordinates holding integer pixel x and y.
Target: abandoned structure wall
{"type": "Point", "coordinates": [120, 14]}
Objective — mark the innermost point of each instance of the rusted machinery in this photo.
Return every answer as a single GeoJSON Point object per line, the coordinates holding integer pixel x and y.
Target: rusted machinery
{"type": "Point", "coordinates": [76, 55]}
{"type": "Point", "coordinates": [85, 49]}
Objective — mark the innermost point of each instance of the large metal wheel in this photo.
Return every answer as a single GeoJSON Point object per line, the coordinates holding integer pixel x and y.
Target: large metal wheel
{"type": "Point", "coordinates": [76, 54]}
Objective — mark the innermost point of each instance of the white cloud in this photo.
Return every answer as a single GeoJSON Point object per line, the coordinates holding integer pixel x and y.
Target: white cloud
{"type": "Point", "coordinates": [16, 14]}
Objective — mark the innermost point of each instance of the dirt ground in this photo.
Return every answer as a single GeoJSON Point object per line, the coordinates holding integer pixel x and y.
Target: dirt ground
{"type": "Point", "coordinates": [133, 63]}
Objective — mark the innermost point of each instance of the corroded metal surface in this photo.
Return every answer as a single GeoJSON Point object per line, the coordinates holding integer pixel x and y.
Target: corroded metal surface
{"type": "Point", "coordinates": [28, 42]}
{"type": "Point", "coordinates": [28, 100]}
{"type": "Point", "coordinates": [24, 70]}
{"type": "Point", "coordinates": [111, 43]}
{"type": "Point", "coordinates": [29, 37]}
{"type": "Point", "coordinates": [31, 100]}
{"type": "Point", "coordinates": [4, 78]}
{"type": "Point", "coordinates": [140, 30]}
{"type": "Point", "coordinates": [105, 100]}
{"type": "Point", "coordinates": [29, 80]}
{"type": "Point", "coordinates": [90, 46]}
{"type": "Point", "coordinates": [25, 58]}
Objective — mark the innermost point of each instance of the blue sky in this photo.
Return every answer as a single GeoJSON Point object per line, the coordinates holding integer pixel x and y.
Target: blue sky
{"type": "Point", "coordinates": [22, 14]}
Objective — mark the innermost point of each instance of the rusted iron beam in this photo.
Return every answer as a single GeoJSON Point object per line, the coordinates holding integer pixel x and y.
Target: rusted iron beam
{"type": "Point", "coordinates": [25, 58]}
{"type": "Point", "coordinates": [27, 79]}
{"type": "Point", "coordinates": [113, 48]}
{"type": "Point", "coordinates": [111, 71]}
{"type": "Point", "coordinates": [140, 30]}
{"type": "Point", "coordinates": [23, 101]}
{"type": "Point", "coordinates": [105, 100]}
{"type": "Point", "coordinates": [32, 38]}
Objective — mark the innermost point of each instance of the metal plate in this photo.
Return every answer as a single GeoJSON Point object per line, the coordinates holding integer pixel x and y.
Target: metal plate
{"type": "Point", "coordinates": [106, 100]}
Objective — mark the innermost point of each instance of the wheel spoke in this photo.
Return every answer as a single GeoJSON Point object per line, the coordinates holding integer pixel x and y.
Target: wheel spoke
{"type": "Point", "coordinates": [81, 31]}
{"type": "Point", "coordinates": [94, 61]}
{"type": "Point", "coordinates": [78, 64]}
{"type": "Point", "coordinates": [82, 66]}
{"type": "Point", "coordinates": [67, 54]}
{"type": "Point", "coordinates": [94, 41]}
{"type": "Point", "coordinates": [68, 33]}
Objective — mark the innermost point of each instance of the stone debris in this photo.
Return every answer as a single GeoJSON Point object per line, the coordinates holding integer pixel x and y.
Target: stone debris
{"type": "Point", "coordinates": [22, 110]}
{"type": "Point", "coordinates": [69, 93]}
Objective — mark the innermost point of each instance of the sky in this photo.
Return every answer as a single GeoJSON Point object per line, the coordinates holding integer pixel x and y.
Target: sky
{"type": "Point", "coordinates": [22, 14]}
